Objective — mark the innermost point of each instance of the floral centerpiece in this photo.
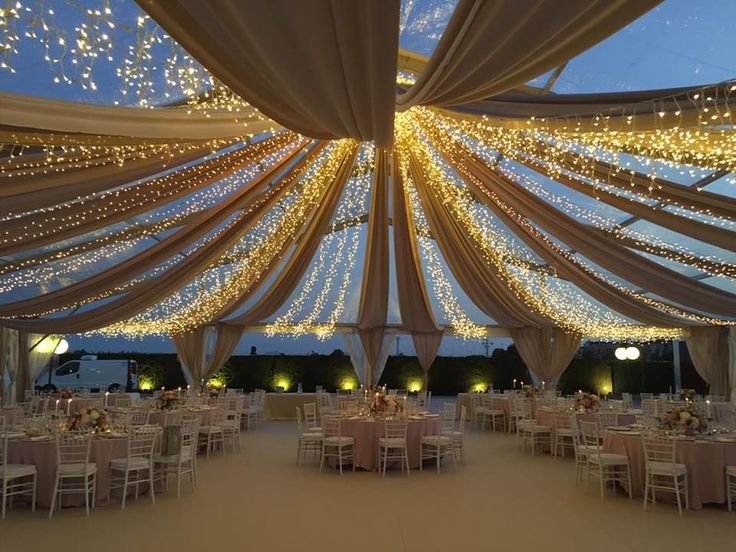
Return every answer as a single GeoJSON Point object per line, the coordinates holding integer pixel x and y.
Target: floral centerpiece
{"type": "Point", "coordinates": [88, 418]}
{"type": "Point", "coordinates": [168, 399]}
{"type": "Point", "coordinates": [687, 394]}
{"type": "Point", "coordinates": [385, 404]}
{"type": "Point", "coordinates": [586, 402]}
{"type": "Point", "coordinates": [530, 391]}
{"type": "Point", "coordinates": [66, 394]}
{"type": "Point", "coordinates": [684, 419]}
{"type": "Point", "coordinates": [214, 390]}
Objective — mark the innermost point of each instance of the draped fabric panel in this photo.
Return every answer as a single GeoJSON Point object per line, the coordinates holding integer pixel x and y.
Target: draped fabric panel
{"type": "Point", "coordinates": [426, 347]}
{"type": "Point", "coordinates": [547, 352]}
{"type": "Point", "coordinates": [126, 204]}
{"type": "Point", "coordinates": [482, 282]}
{"type": "Point", "coordinates": [9, 359]}
{"type": "Point", "coordinates": [714, 235]}
{"type": "Point", "coordinates": [358, 358]}
{"type": "Point", "coordinates": [152, 290]}
{"type": "Point", "coordinates": [191, 348]}
{"type": "Point", "coordinates": [4, 359]}
{"type": "Point", "coordinates": [489, 48]}
{"type": "Point", "coordinates": [709, 351]}
{"type": "Point", "coordinates": [585, 279]}
{"type": "Point", "coordinates": [227, 338]}
{"type": "Point", "coordinates": [604, 251]}
{"type": "Point", "coordinates": [300, 259]}
{"type": "Point", "coordinates": [619, 111]}
{"type": "Point", "coordinates": [164, 249]}
{"type": "Point", "coordinates": [22, 376]}
{"type": "Point", "coordinates": [130, 125]}
{"type": "Point", "coordinates": [25, 194]}
{"type": "Point", "coordinates": [373, 308]}
{"type": "Point", "coordinates": [325, 68]}
{"type": "Point", "coordinates": [414, 305]}
{"type": "Point", "coordinates": [39, 355]}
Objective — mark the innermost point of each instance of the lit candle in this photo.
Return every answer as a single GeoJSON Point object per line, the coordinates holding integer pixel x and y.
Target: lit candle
{"type": "Point", "coordinates": [68, 407]}
{"type": "Point", "coordinates": [56, 410]}
{"type": "Point", "coordinates": [106, 394]}
{"type": "Point", "coordinates": [514, 383]}
{"type": "Point", "coordinates": [542, 385]}
{"type": "Point", "coordinates": [709, 412]}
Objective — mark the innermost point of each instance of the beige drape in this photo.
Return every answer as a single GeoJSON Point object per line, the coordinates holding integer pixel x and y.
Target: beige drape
{"type": "Point", "coordinates": [152, 290]}
{"type": "Point", "coordinates": [481, 280]}
{"type": "Point", "coordinates": [714, 235]}
{"type": "Point", "coordinates": [227, 338]}
{"type": "Point", "coordinates": [414, 305]}
{"type": "Point", "coordinates": [620, 111]}
{"type": "Point", "coordinates": [191, 348]}
{"type": "Point", "coordinates": [583, 277]}
{"type": "Point", "coordinates": [22, 376]}
{"type": "Point", "coordinates": [373, 307]}
{"type": "Point", "coordinates": [292, 272]}
{"type": "Point", "coordinates": [41, 349]}
{"type": "Point", "coordinates": [325, 68]}
{"type": "Point", "coordinates": [547, 352]}
{"type": "Point", "coordinates": [86, 216]}
{"type": "Point", "coordinates": [140, 125]}
{"type": "Point", "coordinates": [709, 351]}
{"type": "Point", "coordinates": [4, 358]}
{"type": "Point", "coordinates": [199, 227]}
{"type": "Point", "coordinates": [604, 251]}
{"type": "Point", "coordinates": [21, 194]}
{"type": "Point", "coordinates": [489, 48]}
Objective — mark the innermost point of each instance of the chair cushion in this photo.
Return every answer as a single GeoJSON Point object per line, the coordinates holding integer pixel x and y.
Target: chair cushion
{"type": "Point", "coordinates": [17, 470]}
{"type": "Point", "coordinates": [609, 459]}
{"type": "Point", "coordinates": [335, 440]}
{"type": "Point", "coordinates": [436, 439]}
{"type": "Point", "coordinates": [392, 442]}
{"type": "Point", "coordinates": [135, 463]}
{"type": "Point", "coordinates": [666, 468]}
{"type": "Point", "coordinates": [77, 469]}
{"type": "Point", "coordinates": [311, 435]}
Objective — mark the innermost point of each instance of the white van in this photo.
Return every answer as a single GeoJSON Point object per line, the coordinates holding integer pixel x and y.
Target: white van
{"type": "Point", "coordinates": [90, 373]}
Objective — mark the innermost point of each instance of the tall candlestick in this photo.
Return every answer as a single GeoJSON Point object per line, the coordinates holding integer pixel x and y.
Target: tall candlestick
{"type": "Point", "coordinates": [56, 410]}
{"type": "Point", "coordinates": [106, 394]}
{"type": "Point", "coordinates": [68, 407]}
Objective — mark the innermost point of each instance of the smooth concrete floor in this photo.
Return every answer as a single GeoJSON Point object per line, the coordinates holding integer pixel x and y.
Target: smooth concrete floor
{"type": "Point", "coordinates": [258, 499]}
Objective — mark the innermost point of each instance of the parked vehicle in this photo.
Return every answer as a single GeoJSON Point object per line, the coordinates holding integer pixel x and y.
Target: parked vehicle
{"type": "Point", "coordinates": [93, 374]}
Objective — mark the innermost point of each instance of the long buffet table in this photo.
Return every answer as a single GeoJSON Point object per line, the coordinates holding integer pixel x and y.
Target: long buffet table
{"type": "Point", "coordinates": [282, 406]}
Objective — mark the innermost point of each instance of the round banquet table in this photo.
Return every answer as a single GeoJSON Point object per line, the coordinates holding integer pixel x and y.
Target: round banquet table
{"type": "Point", "coordinates": [43, 455]}
{"type": "Point", "coordinates": [546, 417]}
{"type": "Point", "coordinates": [499, 402]}
{"type": "Point", "coordinates": [706, 463]}
{"type": "Point", "coordinates": [367, 431]}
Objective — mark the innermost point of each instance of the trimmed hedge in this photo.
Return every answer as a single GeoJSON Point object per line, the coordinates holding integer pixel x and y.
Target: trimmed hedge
{"type": "Point", "coordinates": [448, 376]}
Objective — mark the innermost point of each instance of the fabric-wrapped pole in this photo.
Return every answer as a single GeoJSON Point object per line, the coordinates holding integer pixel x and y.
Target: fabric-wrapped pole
{"type": "Point", "coordinates": [547, 352]}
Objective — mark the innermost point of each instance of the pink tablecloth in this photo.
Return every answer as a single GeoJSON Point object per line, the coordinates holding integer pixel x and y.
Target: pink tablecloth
{"type": "Point", "coordinates": [547, 418]}
{"type": "Point", "coordinates": [43, 455]}
{"type": "Point", "coordinates": [159, 417]}
{"type": "Point", "coordinates": [367, 433]}
{"type": "Point", "coordinates": [706, 464]}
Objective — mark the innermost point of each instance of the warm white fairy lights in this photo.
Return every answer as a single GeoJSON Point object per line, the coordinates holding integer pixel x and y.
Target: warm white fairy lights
{"type": "Point", "coordinates": [212, 291]}
{"type": "Point", "coordinates": [460, 322]}
{"type": "Point", "coordinates": [333, 266]}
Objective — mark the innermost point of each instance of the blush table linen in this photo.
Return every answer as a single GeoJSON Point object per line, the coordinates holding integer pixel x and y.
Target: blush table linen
{"type": "Point", "coordinates": [43, 455]}
{"type": "Point", "coordinates": [546, 417]}
{"type": "Point", "coordinates": [367, 432]}
{"type": "Point", "coordinates": [706, 463]}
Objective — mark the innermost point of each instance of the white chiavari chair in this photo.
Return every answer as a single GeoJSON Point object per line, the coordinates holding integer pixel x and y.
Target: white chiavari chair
{"type": "Point", "coordinates": [661, 471]}
{"type": "Point", "coordinates": [730, 486]}
{"type": "Point", "coordinates": [435, 447]}
{"type": "Point", "coordinates": [628, 401]}
{"type": "Point", "coordinates": [15, 479]}
{"type": "Point", "coordinates": [139, 417]}
{"type": "Point", "coordinates": [74, 472]}
{"type": "Point", "coordinates": [393, 445]}
{"type": "Point", "coordinates": [606, 419]}
{"type": "Point", "coordinates": [530, 430]}
{"type": "Point", "coordinates": [606, 466]}
{"type": "Point", "coordinates": [184, 461]}
{"type": "Point", "coordinates": [492, 413]}
{"type": "Point", "coordinates": [563, 433]}
{"type": "Point", "coordinates": [458, 434]}
{"type": "Point", "coordinates": [334, 444]}
{"type": "Point", "coordinates": [309, 441]}
{"type": "Point", "coordinates": [310, 417]}
{"type": "Point", "coordinates": [137, 467]}
{"type": "Point", "coordinates": [212, 434]}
